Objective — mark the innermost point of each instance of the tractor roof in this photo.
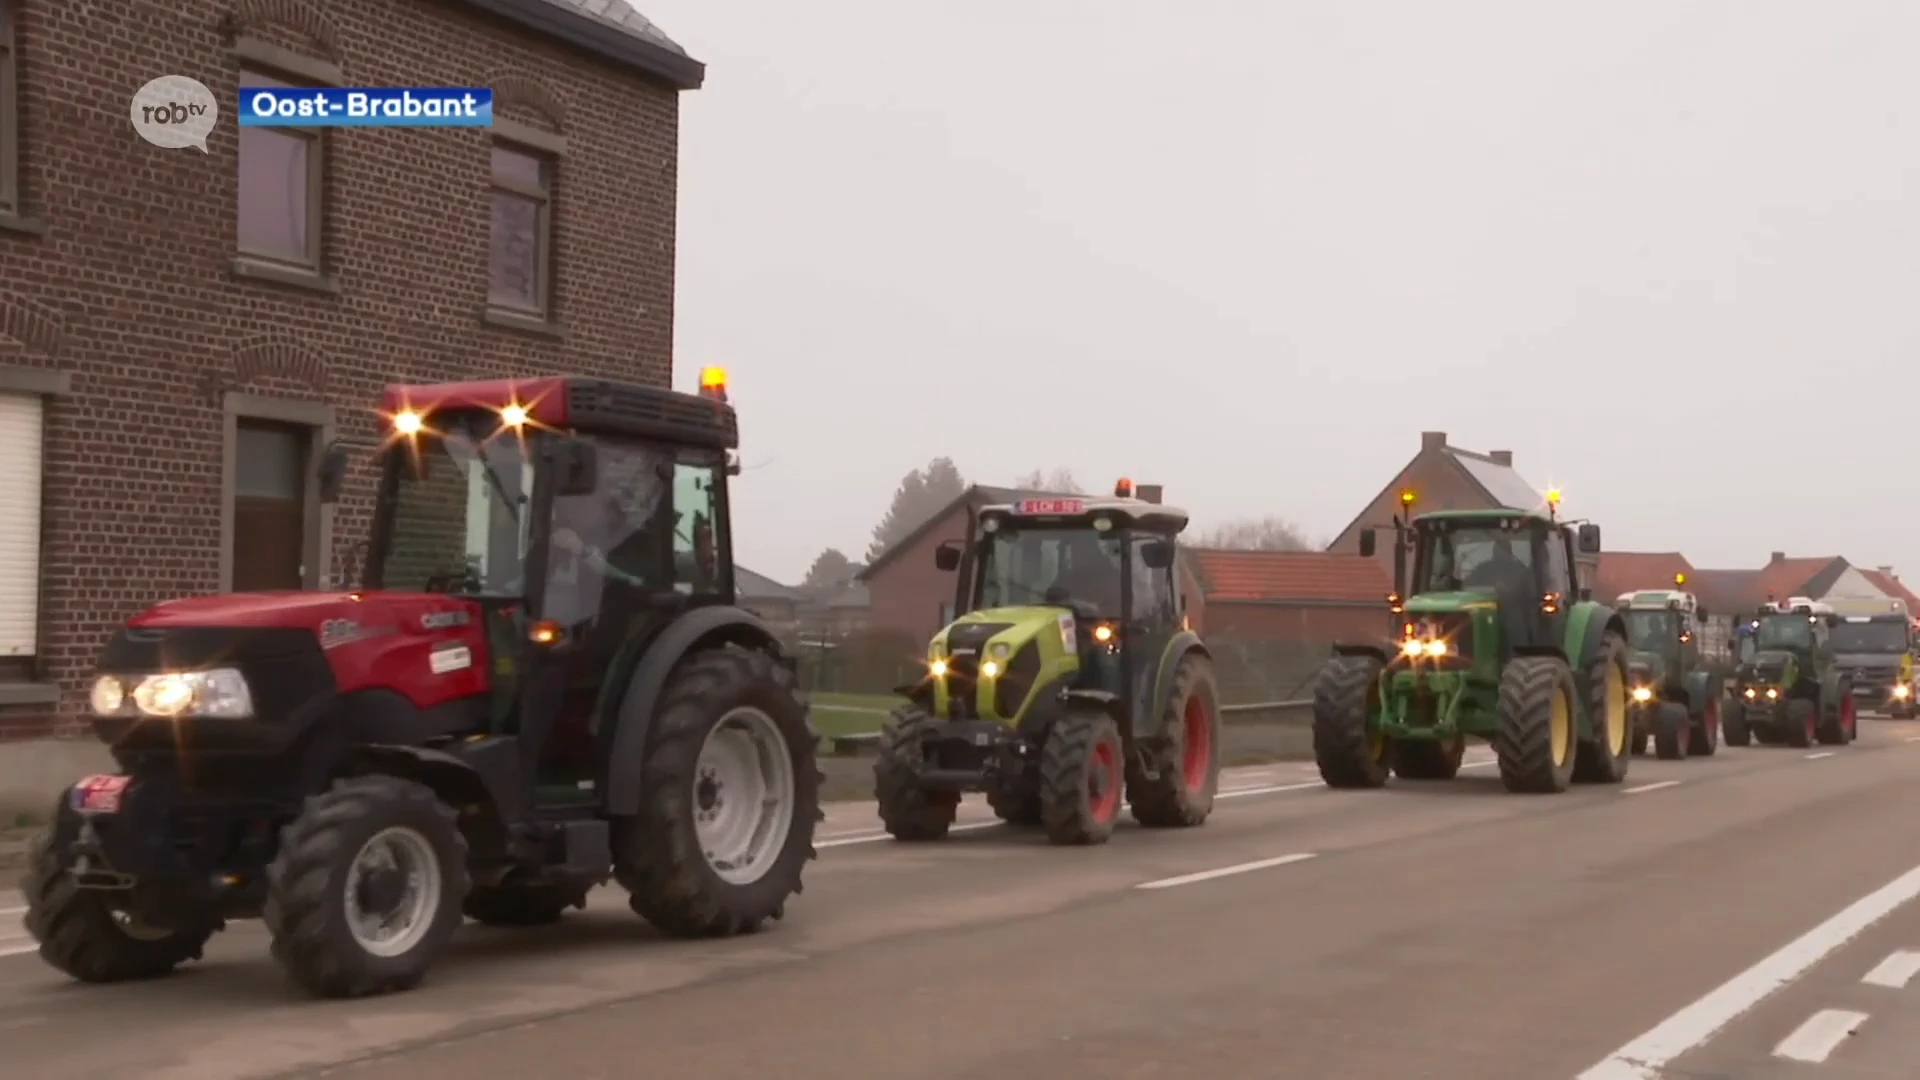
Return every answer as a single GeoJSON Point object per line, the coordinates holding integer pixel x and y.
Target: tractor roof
{"type": "Point", "coordinates": [1074, 510]}
{"type": "Point", "coordinates": [584, 404]}
{"type": "Point", "coordinates": [1498, 514]}
{"type": "Point", "coordinates": [1656, 600]}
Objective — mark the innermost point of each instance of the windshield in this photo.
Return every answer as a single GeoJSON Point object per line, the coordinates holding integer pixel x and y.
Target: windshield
{"type": "Point", "coordinates": [1784, 632]}
{"type": "Point", "coordinates": [1870, 637]}
{"type": "Point", "coordinates": [1039, 566]}
{"type": "Point", "coordinates": [1652, 630]}
{"type": "Point", "coordinates": [459, 520]}
{"type": "Point", "coordinates": [1474, 557]}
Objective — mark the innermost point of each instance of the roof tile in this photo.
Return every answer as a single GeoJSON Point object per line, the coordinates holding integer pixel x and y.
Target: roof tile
{"type": "Point", "coordinates": [1892, 586]}
{"type": "Point", "coordinates": [1626, 571]}
{"type": "Point", "coordinates": [1290, 576]}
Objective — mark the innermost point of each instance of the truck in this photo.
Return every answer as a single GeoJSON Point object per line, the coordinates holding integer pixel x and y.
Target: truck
{"type": "Point", "coordinates": [1874, 644]}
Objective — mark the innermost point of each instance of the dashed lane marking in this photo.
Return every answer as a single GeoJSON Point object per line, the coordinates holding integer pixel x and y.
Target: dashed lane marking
{"type": "Point", "coordinates": [1822, 1034]}
{"type": "Point", "coordinates": [1822, 754]}
{"type": "Point", "coordinates": [1226, 871]}
{"type": "Point", "coordinates": [1895, 971]}
{"type": "Point", "coordinates": [1644, 788]}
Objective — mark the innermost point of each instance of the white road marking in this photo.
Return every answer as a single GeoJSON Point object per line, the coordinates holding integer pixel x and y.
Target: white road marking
{"type": "Point", "coordinates": [19, 950]}
{"type": "Point", "coordinates": [1643, 788]}
{"type": "Point", "coordinates": [1817, 757]}
{"type": "Point", "coordinates": [1226, 871]}
{"type": "Point", "coordinates": [1823, 1033]}
{"type": "Point", "coordinates": [1913, 738]}
{"type": "Point", "coordinates": [8, 911]}
{"type": "Point", "coordinates": [881, 834]}
{"type": "Point", "coordinates": [1643, 1058]}
{"type": "Point", "coordinates": [1896, 971]}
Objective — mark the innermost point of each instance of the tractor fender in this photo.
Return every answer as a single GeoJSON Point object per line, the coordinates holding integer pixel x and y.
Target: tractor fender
{"type": "Point", "coordinates": [1374, 651]}
{"type": "Point", "coordinates": [1179, 647]}
{"type": "Point", "coordinates": [1832, 686]}
{"type": "Point", "coordinates": [700, 628]}
{"type": "Point", "coordinates": [1103, 700]}
{"type": "Point", "coordinates": [485, 772]}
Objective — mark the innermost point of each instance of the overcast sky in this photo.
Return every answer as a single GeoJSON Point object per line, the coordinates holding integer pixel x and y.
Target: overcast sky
{"type": "Point", "coordinates": [1664, 251]}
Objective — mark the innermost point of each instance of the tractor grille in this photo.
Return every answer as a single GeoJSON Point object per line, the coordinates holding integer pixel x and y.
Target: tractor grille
{"type": "Point", "coordinates": [1769, 672]}
{"type": "Point", "coordinates": [284, 667]}
{"type": "Point", "coordinates": [1016, 682]}
{"type": "Point", "coordinates": [973, 636]}
{"type": "Point", "coordinates": [1456, 629]}
{"type": "Point", "coordinates": [964, 645]}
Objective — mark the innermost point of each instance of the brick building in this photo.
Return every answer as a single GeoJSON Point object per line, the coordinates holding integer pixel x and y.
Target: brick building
{"type": "Point", "coordinates": [1295, 597]}
{"type": "Point", "coordinates": [180, 332]}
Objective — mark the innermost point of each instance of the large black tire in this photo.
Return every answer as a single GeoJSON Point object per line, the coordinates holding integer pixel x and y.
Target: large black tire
{"type": "Point", "coordinates": [1670, 731]}
{"type": "Point", "coordinates": [1017, 806]}
{"type": "Point", "coordinates": [1703, 733]}
{"type": "Point", "coordinates": [81, 936]}
{"type": "Point", "coordinates": [658, 856]}
{"type": "Point", "coordinates": [306, 909]}
{"type": "Point", "coordinates": [1082, 772]}
{"type": "Point", "coordinates": [518, 905]}
{"type": "Point", "coordinates": [1734, 726]}
{"type": "Point", "coordinates": [1839, 718]}
{"type": "Point", "coordinates": [1537, 710]}
{"type": "Point", "coordinates": [1187, 765]}
{"type": "Point", "coordinates": [1414, 759]}
{"type": "Point", "coordinates": [1604, 758]}
{"type": "Point", "coordinates": [1803, 717]}
{"type": "Point", "coordinates": [1345, 698]}
{"type": "Point", "coordinates": [907, 810]}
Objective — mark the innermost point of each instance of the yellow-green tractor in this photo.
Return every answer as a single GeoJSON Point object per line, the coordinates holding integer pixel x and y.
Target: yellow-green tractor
{"type": "Point", "coordinates": [1070, 680]}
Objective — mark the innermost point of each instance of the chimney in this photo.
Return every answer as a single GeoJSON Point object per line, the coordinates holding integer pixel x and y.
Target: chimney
{"type": "Point", "coordinates": [1151, 493]}
{"type": "Point", "coordinates": [1432, 440]}
{"type": "Point", "coordinates": [1887, 570]}
{"type": "Point", "coordinates": [1777, 557]}
{"type": "Point", "coordinates": [1501, 457]}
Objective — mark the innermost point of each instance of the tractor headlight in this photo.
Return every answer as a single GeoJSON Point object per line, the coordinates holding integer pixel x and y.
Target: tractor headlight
{"type": "Point", "coordinates": [1750, 693]}
{"type": "Point", "coordinates": [988, 669]}
{"type": "Point", "coordinates": [1642, 694]}
{"type": "Point", "coordinates": [1773, 694]}
{"type": "Point", "coordinates": [219, 694]}
{"type": "Point", "coordinates": [1902, 692]}
{"type": "Point", "coordinates": [937, 668]}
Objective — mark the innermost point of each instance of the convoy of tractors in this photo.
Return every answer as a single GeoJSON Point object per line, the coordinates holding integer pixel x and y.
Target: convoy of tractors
{"type": "Point", "coordinates": [539, 682]}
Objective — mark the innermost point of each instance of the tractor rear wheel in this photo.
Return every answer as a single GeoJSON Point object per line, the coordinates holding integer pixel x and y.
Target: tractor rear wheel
{"type": "Point", "coordinates": [1736, 730]}
{"type": "Point", "coordinates": [1838, 721]}
{"type": "Point", "coordinates": [730, 799]}
{"type": "Point", "coordinates": [1082, 771]}
{"type": "Point", "coordinates": [1537, 736]}
{"type": "Point", "coordinates": [1671, 726]}
{"type": "Point", "coordinates": [1603, 759]}
{"type": "Point", "coordinates": [367, 887]}
{"type": "Point", "coordinates": [1346, 697]}
{"type": "Point", "coordinates": [82, 936]}
{"type": "Point", "coordinates": [1703, 736]}
{"type": "Point", "coordinates": [1803, 720]}
{"type": "Point", "coordinates": [1187, 769]}
{"type": "Point", "coordinates": [909, 811]}
{"type": "Point", "coordinates": [1421, 759]}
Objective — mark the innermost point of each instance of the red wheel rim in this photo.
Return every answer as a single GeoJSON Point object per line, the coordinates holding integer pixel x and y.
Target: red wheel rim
{"type": "Point", "coordinates": [1848, 716]}
{"type": "Point", "coordinates": [1103, 782]}
{"type": "Point", "coordinates": [1713, 722]}
{"type": "Point", "coordinates": [1198, 753]}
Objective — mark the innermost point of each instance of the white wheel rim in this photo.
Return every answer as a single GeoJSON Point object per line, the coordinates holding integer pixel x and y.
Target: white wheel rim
{"type": "Point", "coordinates": [743, 796]}
{"type": "Point", "coordinates": [395, 932]}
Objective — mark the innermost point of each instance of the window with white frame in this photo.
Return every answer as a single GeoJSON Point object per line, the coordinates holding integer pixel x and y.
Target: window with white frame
{"type": "Point", "coordinates": [21, 420]}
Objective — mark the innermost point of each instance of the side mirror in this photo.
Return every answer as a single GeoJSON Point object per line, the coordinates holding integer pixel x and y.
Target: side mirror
{"type": "Point", "coordinates": [1701, 613]}
{"type": "Point", "coordinates": [1588, 539]}
{"type": "Point", "coordinates": [576, 465]}
{"type": "Point", "coordinates": [332, 473]}
{"type": "Point", "coordinates": [946, 557]}
{"type": "Point", "coordinates": [1367, 543]}
{"type": "Point", "coordinates": [1157, 554]}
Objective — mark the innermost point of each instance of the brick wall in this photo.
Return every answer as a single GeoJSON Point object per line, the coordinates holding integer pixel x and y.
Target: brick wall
{"type": "Point", "coordinates": [128, 286]}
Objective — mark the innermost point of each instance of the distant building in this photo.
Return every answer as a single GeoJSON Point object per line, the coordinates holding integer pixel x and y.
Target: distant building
{"type": "Point", "coordinates": [1306, 597]}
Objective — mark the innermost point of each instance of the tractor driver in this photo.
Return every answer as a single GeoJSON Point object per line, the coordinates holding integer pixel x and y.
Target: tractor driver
{"type": "Point", "coordinates": [1086, 573]}
{"type": "Point", "coordinates": [1502, 571]}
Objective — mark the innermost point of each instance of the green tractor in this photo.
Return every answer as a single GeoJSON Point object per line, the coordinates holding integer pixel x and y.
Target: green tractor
{"type": "Point", "coordinates": [1676, 698]}
{"type": "Point", "coordinates": [1070, 677]}
{"type": "Point", "coordinates": [1496, 641]}
{"type": "Point", "coordinates": [1791, 691]}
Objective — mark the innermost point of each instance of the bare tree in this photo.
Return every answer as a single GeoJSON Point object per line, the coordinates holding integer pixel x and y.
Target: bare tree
{"type": "Point", "coordinates": [1059, 481]}
{"type": "Point", "coordinates": [1258, 534]}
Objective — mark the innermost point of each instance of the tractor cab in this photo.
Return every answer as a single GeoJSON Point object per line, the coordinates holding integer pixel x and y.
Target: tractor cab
{"type": "Point", "coordinates": [1662, 632]}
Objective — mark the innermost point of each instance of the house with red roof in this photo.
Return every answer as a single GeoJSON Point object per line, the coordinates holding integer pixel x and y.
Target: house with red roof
{"type": "Point", "coordinates": [1308, 597]}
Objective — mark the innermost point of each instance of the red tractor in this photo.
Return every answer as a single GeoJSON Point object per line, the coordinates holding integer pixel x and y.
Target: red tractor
{"type": "Point", "coordinates": [542, 684]}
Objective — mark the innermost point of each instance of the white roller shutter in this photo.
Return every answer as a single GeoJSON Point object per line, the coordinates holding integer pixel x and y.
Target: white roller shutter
{"type": "Point", "coordinates": [20, 430]}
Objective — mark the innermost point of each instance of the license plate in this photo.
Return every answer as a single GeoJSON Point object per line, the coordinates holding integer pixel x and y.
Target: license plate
{"type": "Point", "coordinates": [99, 794]}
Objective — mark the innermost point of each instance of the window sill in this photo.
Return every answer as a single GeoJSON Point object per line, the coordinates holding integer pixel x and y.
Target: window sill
{"type": "Point", "coordinates": [29, 693]}
{"type": "Point", "coordinates": [22, 224]}
{"type": "Point", "coordinates": [525, 322]}
{"type": "Point", "coordinates": [249, 269]}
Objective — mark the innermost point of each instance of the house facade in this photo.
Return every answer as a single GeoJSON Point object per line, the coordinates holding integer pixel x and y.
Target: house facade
{"type": "Point", "coordinates": [181, 332]}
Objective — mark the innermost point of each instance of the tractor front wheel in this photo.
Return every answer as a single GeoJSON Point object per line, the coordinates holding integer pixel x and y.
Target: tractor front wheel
{"type": "Point", "coordinates": [1703, 737]}
{"type": "Point", "coordinates": [1840, 722]}
{"type": "Point", "coordinates": [1736, 729]}
{"type": "Point", "coordinates": [731, 797]}
{"type": "Point", "coordinates": [1603, 758]}
{"type": "Point", "coordinates": [81, 935]}
{"type": "Point", "coordinates": [908, 811]}
{"type": "Point", "coordinates": [1802, 723]}
{"type": "Point", "coordinates": [1348, 750]}
{"type": "Point", "coordinates": [1187, 766]}
{"type": "Point", "coordinates": [1537, 736]}
{"type": "Point", "coordinates": [367, 887]}
{"type": "Point", "coordinates": [1082, 771]}
{"type": "Point", "coordinates": [1671, 725]}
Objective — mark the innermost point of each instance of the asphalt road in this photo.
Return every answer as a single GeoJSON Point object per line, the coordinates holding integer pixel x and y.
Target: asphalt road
{"type": "Point", "coordinates": [1733, 917]}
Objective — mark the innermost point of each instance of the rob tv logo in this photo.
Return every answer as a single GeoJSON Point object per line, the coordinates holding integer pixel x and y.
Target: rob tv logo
{"type": "Point", "coordinates": [175, 112]}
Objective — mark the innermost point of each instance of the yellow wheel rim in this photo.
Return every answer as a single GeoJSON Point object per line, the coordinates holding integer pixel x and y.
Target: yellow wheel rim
{"type": "Point", "coordinates": [1376, 747]}
{"type": "Point", "coordinates": [1616, 710]}
{"type": "Point", "coordinates": [1560, 728]}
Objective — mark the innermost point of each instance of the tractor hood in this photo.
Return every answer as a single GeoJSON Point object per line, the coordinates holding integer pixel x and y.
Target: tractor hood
{"type": "Point", "coordinates": [1010, 627]}
{"type": "Point", "coordinates": [372, 610]}
{"type": "Point", "coordinates": [1434, 603]}
{"type": "Point", "coordinates": [1774, 665]}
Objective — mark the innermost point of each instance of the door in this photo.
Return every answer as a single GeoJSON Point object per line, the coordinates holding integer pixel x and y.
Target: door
{"type": "Point", "coordinates": [269, 505]}
{"type": "Point", "coordinates": [1152, 619]}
